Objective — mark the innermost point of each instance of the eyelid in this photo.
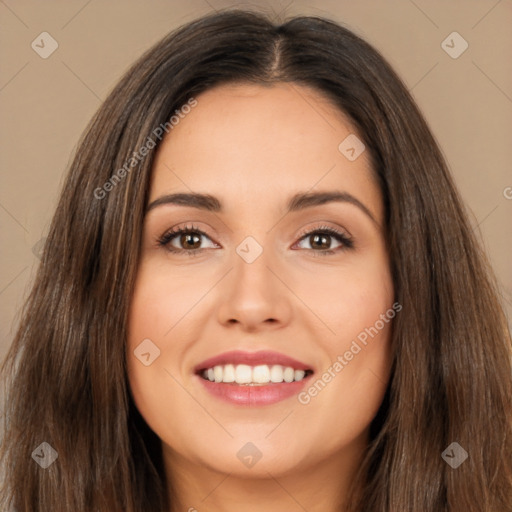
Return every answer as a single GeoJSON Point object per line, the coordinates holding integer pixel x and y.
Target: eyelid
{"type": "Point", "coordinates": [172, 233]}
{"type": "Point", "coordinates": [341, 235]}
{"type": "Point", "coordinates": [326, 228]}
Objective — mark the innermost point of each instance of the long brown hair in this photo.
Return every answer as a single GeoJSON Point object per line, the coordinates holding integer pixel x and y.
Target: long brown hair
{"type": "Point", "coordinates": [66, 370]}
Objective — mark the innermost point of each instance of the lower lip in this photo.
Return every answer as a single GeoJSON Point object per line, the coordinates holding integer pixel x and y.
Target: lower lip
{"type": "Point", "coordinates": [253, 395]}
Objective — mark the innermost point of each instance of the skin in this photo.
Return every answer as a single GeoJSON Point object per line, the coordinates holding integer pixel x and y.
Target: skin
{"type": "Point", "coordinates": [253, 147]}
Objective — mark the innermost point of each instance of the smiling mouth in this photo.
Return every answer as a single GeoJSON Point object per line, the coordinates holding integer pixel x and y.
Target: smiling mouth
{"type": "Point", "coordinates": [258, 375]}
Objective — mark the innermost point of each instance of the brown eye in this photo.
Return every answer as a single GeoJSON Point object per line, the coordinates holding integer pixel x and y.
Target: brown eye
{"type": "Point", "coordinates": [185, 240]}
{"type": "Point", "coordinates": [190, 240]}
{"type": "Point", "coordinates": [320, 241]}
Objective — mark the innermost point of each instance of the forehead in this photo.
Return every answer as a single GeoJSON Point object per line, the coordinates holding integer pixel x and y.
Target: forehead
{"type": "Point", "coordinates": [251, 142]}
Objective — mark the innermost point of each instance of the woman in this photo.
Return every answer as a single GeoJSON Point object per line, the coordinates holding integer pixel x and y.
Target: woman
{"type": "Point", "coordinates": [260, 290]}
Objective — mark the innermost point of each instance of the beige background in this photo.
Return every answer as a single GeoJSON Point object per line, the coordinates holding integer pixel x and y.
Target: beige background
{"type": "Point", "coordinates": [46, 103]}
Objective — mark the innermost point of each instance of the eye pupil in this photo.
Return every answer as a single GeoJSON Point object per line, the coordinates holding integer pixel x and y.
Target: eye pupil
{"type": "Point", "coordinates": [191, 239]}
{"type": "Point", "coordinates": [187, 240]}
{"type": "Point", "coordinates": [322, 238]}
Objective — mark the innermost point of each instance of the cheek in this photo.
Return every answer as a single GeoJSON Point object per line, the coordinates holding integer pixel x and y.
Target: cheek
{"type": "Point", "coordinates": [356, 303]}
{"type": "Point", "coordinates": [349, 298]}
{"type": "Point", "coordinates": [156, 306]}
{"type": "Point", "coordinates": [161, 299]}
{"type": "Point", "coordinates": [363, 328]}
{"type": "Point", "coordinates": [345, 395]}
{"type": "Point", "coordinates": [152, 314]}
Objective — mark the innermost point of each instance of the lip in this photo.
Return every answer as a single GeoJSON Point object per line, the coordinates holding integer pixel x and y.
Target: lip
{"type": "Point", "coordinates": [252, 359]}
{"type": "Point", "coordinates": [267, 394]}
{"type": "Point", "coordinates": [246, 395]}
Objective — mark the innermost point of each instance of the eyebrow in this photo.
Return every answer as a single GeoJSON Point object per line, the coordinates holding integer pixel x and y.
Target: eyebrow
{"type": "Point", "coordinates": [297, 202]}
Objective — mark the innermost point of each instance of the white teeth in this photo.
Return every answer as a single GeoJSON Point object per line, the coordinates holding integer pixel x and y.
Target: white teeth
{"type": "Point", "coordinates": [217, 373]}
{"type": "Point", "coordinates": [243, 374]}
{"type": "Point", "coordinates": [276, 373]}
{"type": "Point", "coordinates": [299, 374]}
{"type": "Point", "coordinates": [229, 373]}
{"type": "Point", "coordinates": [260, 374]}
{"type": "Point", "coordinates": [288, 374]}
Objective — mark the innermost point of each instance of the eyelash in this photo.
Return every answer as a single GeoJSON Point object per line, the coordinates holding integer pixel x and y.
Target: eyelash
{"type": "Point", "coordinates": [166, 238]}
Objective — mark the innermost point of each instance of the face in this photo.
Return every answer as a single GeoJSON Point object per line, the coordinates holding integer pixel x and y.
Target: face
{"type": "Point", "coordinates": [277, 289]}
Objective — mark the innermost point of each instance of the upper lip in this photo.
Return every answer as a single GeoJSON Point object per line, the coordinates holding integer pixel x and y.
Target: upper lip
{"type": "Point", "coordinates": [267, 357]}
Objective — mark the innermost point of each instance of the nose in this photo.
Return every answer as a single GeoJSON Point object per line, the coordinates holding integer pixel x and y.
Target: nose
{"type": "Point", "coordinates": [254, 296]}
